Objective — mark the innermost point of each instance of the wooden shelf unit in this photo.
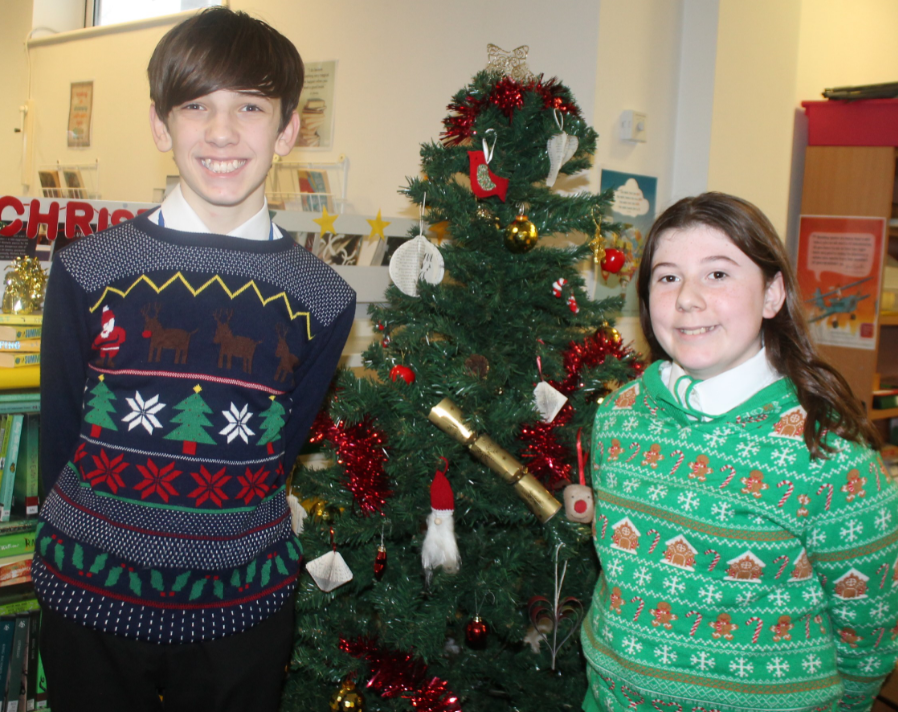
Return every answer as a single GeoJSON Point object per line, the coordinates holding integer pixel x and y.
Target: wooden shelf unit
{"type": "Point", "coordinates": [858, 181]}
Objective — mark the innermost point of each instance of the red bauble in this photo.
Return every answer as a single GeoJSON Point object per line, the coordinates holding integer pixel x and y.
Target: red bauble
{"type": "Point", "coordinates": [403, 372]}
{"type": "Point", "coordinates": [477, 633]}
{"type": "Point", "coordinates": [380, 562]}
{"type": "Point", "coordinates": [614, 260]}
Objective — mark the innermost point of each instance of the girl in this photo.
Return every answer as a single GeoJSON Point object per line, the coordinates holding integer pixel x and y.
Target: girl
{"type": "Point", "coordinates": [747, 530]}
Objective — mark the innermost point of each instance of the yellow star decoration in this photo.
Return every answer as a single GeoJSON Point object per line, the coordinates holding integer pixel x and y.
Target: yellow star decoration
{"type": "Point", "coordinates": [327, 222]}
{"type": "Point", "coordinates": [197, 388]}
{"type": "Point", "coordinates": [377, 227]}
{"type": "Point", "coordinates": [440, 231]}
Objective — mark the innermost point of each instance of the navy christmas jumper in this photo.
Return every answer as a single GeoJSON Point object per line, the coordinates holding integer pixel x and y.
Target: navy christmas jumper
{"type": "Point", "coordinates": [180, 375]}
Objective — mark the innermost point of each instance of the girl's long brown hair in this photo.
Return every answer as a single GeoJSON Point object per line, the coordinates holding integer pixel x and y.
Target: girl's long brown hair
{"type": "Point", "coordinates": [821, 390]}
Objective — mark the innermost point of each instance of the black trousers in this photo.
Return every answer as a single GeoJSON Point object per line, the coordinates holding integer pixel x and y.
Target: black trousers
{"type": "Point", "coordinates": [90, 671]}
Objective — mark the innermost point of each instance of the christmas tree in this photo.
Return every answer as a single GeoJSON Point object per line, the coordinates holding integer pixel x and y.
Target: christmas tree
{"type": "Point", "coordinates": [500, 631]}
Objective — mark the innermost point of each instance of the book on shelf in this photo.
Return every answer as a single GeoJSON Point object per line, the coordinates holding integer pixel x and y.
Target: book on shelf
{"type": "Point", "coordinates": [40, 697]}
{"type": "Point", "coordinates": [7, 633]}
{"type": "Point", "coordinates": [34, 623]}
{"type": "Point", "coordinates": [25, 487]}
{"type": "Point", "coordinates": [34, 319]}
{"type": "Point", "coordinates": [21, 346]}
{"type": "Point", "coordinates": [16, 663]}
{"type": "Point", "coordinates": [19, 332]}
{"type": "Point", "coordinates": [18, 541]}
{"type": "Point", "coordinates": [10, 463]}
{"type": "Point", "coordinates": [15, 570]}
{"type": "Point", "coordinates": [18, 378]}
{"type": "Point", "coordinates": [4, 443]}
{"type": "Point", "coordinates": [17, 360]}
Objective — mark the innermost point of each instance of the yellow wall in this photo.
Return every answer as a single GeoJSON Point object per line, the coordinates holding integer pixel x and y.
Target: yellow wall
{"type": "Point", "coordinates": [15, 26]}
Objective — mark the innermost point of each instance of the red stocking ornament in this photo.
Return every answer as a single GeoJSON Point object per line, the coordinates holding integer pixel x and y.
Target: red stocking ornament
{"type": "Point", "coordinates": [484, 182]}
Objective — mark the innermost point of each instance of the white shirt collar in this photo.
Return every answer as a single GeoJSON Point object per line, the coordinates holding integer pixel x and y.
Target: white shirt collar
{"type": "Point", "coordinates": [180, 216]}
{"type": "Point", "coordinates": [722, 393]}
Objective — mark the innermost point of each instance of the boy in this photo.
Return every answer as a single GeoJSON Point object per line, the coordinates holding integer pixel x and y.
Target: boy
{"type": "Point", "coordinates": [165, 560]}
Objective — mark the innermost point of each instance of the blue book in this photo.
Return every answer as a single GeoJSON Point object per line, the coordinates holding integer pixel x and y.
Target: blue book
{"type": "Point", "coordinates": [7, 633]}
{"type": "Point", "coordinates": [16, 662]}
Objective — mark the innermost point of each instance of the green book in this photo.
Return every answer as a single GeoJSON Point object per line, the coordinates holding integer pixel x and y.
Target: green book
{"type": "Point", "coordinates": [34, 623]}
{"type": "Point", "coordinates": [19, 401]}
{"type": "Point", "coordinates": [25, 500]}
{"type": "Point", "coordinates": [16, 663]}
{"type": "Point", "coordinates": [10, 465]}
{"type": "Point", "coordinates": [16, 543]}
{"type": "Point", "coordinates": [24, 602]}
{"type": "Point", "coordinates": [5, 442]}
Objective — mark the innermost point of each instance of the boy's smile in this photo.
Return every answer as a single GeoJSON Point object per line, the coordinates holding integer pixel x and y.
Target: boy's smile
{"type": "Point", "coordinates": [707, 300]}
{"type": "Point", "coordinates": [223, 144]}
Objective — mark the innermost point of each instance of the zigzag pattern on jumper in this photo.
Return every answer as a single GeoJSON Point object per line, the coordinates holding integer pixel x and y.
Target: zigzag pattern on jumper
{"type": "Point", "coordinates": [279, 262]}
{"type": "Point", "coordinates": [737, 572]}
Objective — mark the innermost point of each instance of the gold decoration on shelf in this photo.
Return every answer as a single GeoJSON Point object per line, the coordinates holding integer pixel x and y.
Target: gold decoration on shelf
{"type": "Point", "coordinates": [25, 282]}
{"type": "Point", "coordinates": [449, 418]}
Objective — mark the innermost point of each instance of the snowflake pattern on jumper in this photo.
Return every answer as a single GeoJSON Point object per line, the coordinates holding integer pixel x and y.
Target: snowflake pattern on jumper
{"type": "Point", "coordinates": [759, 567]}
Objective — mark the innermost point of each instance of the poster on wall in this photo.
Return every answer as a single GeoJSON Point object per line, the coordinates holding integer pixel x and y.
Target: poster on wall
{"type": "Point", "coordinates": [839, 273]}
{"type": "Point", "coordinates": [634, 206]}
{"type": "Point", "coordinates": [316, 106]}
{"type": "Point", "coordinates": [80, 110]}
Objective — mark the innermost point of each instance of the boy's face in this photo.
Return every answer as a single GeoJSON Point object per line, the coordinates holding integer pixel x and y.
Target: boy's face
{"type": "Point", "coordinates": [223, 144]}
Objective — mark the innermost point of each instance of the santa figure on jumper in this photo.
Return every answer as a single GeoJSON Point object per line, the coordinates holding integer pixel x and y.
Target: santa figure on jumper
{"type": "Point", "coordinates": [110, 339]}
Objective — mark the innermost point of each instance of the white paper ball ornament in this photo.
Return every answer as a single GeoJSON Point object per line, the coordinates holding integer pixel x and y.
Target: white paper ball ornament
{"type": "Point", "coordinates": [416, 259]}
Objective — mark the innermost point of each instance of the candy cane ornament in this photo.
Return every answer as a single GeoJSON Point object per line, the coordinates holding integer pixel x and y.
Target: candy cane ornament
{"type": "Point", "coordinates": [732, 471]}
{"type": "Point", "coordinates": [785, 560]}
{"type": "Point", "coordinates": [638, 608]}
{"type": "Point", "coordinates": [655, 541]}
{"type": "Point", "coordinates": [715, 560]}
{"type": "Point", "coordinates": [557, 286]}
{"type": "Point", "coordinates": [885, 574]}
{"type": "Point", "coordinates": [572, 303]}
{"type": "Point", "coordinates": [679, 461]}
{"type": "Point", "coordinates": [789, 490]}
{"type": "Point", "coordinates": [638, 447]}
{"type": "Point", "coordinates": [758, 625]}
{"type": "Point", "coordinates": [829, 494]}
{"type": "Point", "coordinates": [698, 621]}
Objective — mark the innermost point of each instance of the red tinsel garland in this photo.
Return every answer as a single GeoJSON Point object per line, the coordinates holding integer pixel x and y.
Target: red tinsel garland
{"type": "Point", "coordinates": [508, 95]}
{"type": "Point", "coordinates": [395, 673]}
{"type": "Point", "coordinates": [546, 458]}
{"type": "Point", "coordinates": [360, 449]}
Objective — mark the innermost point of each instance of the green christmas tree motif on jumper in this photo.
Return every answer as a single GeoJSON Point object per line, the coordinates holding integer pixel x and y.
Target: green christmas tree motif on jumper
{"type": "Point", "coordinates": [193, 420]}
{"type": "Point", "coordinates": [273, 422]}
{"type": "Point", "coordinates": [101, 406]}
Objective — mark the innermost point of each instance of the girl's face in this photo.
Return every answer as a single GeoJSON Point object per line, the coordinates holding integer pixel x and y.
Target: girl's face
{"type": "Point", "coordinates": [707, 300]}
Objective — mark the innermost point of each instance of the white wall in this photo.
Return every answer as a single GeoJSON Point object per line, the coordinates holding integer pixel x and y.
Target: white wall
{"type": "Point", "coordinates": [399, 63]}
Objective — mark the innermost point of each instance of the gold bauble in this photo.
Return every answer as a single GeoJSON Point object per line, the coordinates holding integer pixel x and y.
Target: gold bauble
{"type": "Point", "coordinates": [521, 235]}
{"type": "Point", "coordinates": [486, 215]}
{"type": "Point", "coordinates": [347, 698]}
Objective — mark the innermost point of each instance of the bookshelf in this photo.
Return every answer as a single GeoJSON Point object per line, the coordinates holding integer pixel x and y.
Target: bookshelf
{"type": "Point", "coordinates": [858, 181]}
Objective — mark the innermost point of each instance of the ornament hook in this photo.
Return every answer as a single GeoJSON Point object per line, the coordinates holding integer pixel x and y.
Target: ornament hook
{"type": "Point", "coordinates": [478, 601]}
{"type": "Point", "coordinates": [488, 147]}
{"type": "Point", "coordinates": [421, 214]}
{"type": "Point", "coordinates": [559, 119]}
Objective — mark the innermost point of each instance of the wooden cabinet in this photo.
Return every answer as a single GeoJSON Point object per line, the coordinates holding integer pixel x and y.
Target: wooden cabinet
{"type": "Point", "coordinates": [858, 181]}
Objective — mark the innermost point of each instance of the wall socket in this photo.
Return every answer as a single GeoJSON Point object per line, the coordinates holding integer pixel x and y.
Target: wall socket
{"type": "Point", "coordinates": [633, 126]}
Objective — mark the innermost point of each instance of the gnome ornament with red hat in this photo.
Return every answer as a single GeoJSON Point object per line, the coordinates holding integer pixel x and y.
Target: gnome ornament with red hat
{"type": "Point", "coordinates": [440, 548]}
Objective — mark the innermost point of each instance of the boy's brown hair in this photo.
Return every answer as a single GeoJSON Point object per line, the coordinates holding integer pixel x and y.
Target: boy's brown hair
{"type": "Point", "coordinates": [222, 49]}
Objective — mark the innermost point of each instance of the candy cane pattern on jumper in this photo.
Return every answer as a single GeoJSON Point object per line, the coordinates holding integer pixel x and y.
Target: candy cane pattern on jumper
{"type": "Point", "coordinates": [785, 560]}
{"type": "Point", "coordinates": [655, 541]}
{"type": "Point", "coordinates": [655, 704]}
{"type": "Point", "coordinates": [608, 681]}
{"type": "Point", "coordinates": [829, 494]}
{"type": "Point", "coordinates": [789, 490]}
{"type": "Point", "coordinates": [715, 560]}
{"type": "Point", "coordinates": [679, 462]}
{"type": "Point", "coordinates": [638, 608]}
{"type": "Point", "coordinates": [879, 637]}
{"type": "Point", "coordinates": [638, 447]}
{"type": "Point", "coordinates": [807, 625]}
{"type": "Point", "coordinates": [732, 471]}
{"type": "Point", "coordinates": [645, 402]}
{"type": "Point", "coordinates": [874, 470]}
{"type": "Point", "coordinates": [633, 703]}
{"type": "Point", "coordinates": [885, 574]}
{"type": "Point", "coordinates": [698, 621]}
{"type": "Point", "coordinates": [759, 624]}
{"type": "Point", "coordinates": [818, 619]}
{"type": "Point", "coordinates": [604, 525]}
{"type": "Point", "coordinates": [702, 709]}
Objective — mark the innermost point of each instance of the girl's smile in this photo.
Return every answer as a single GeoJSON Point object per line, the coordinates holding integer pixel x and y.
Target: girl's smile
{"type": "Point", "coordinates": [707, 300]}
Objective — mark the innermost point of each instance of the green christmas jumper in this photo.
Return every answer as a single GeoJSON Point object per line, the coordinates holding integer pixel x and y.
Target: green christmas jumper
{"type": "Point", "coordinates": [738, 573]}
